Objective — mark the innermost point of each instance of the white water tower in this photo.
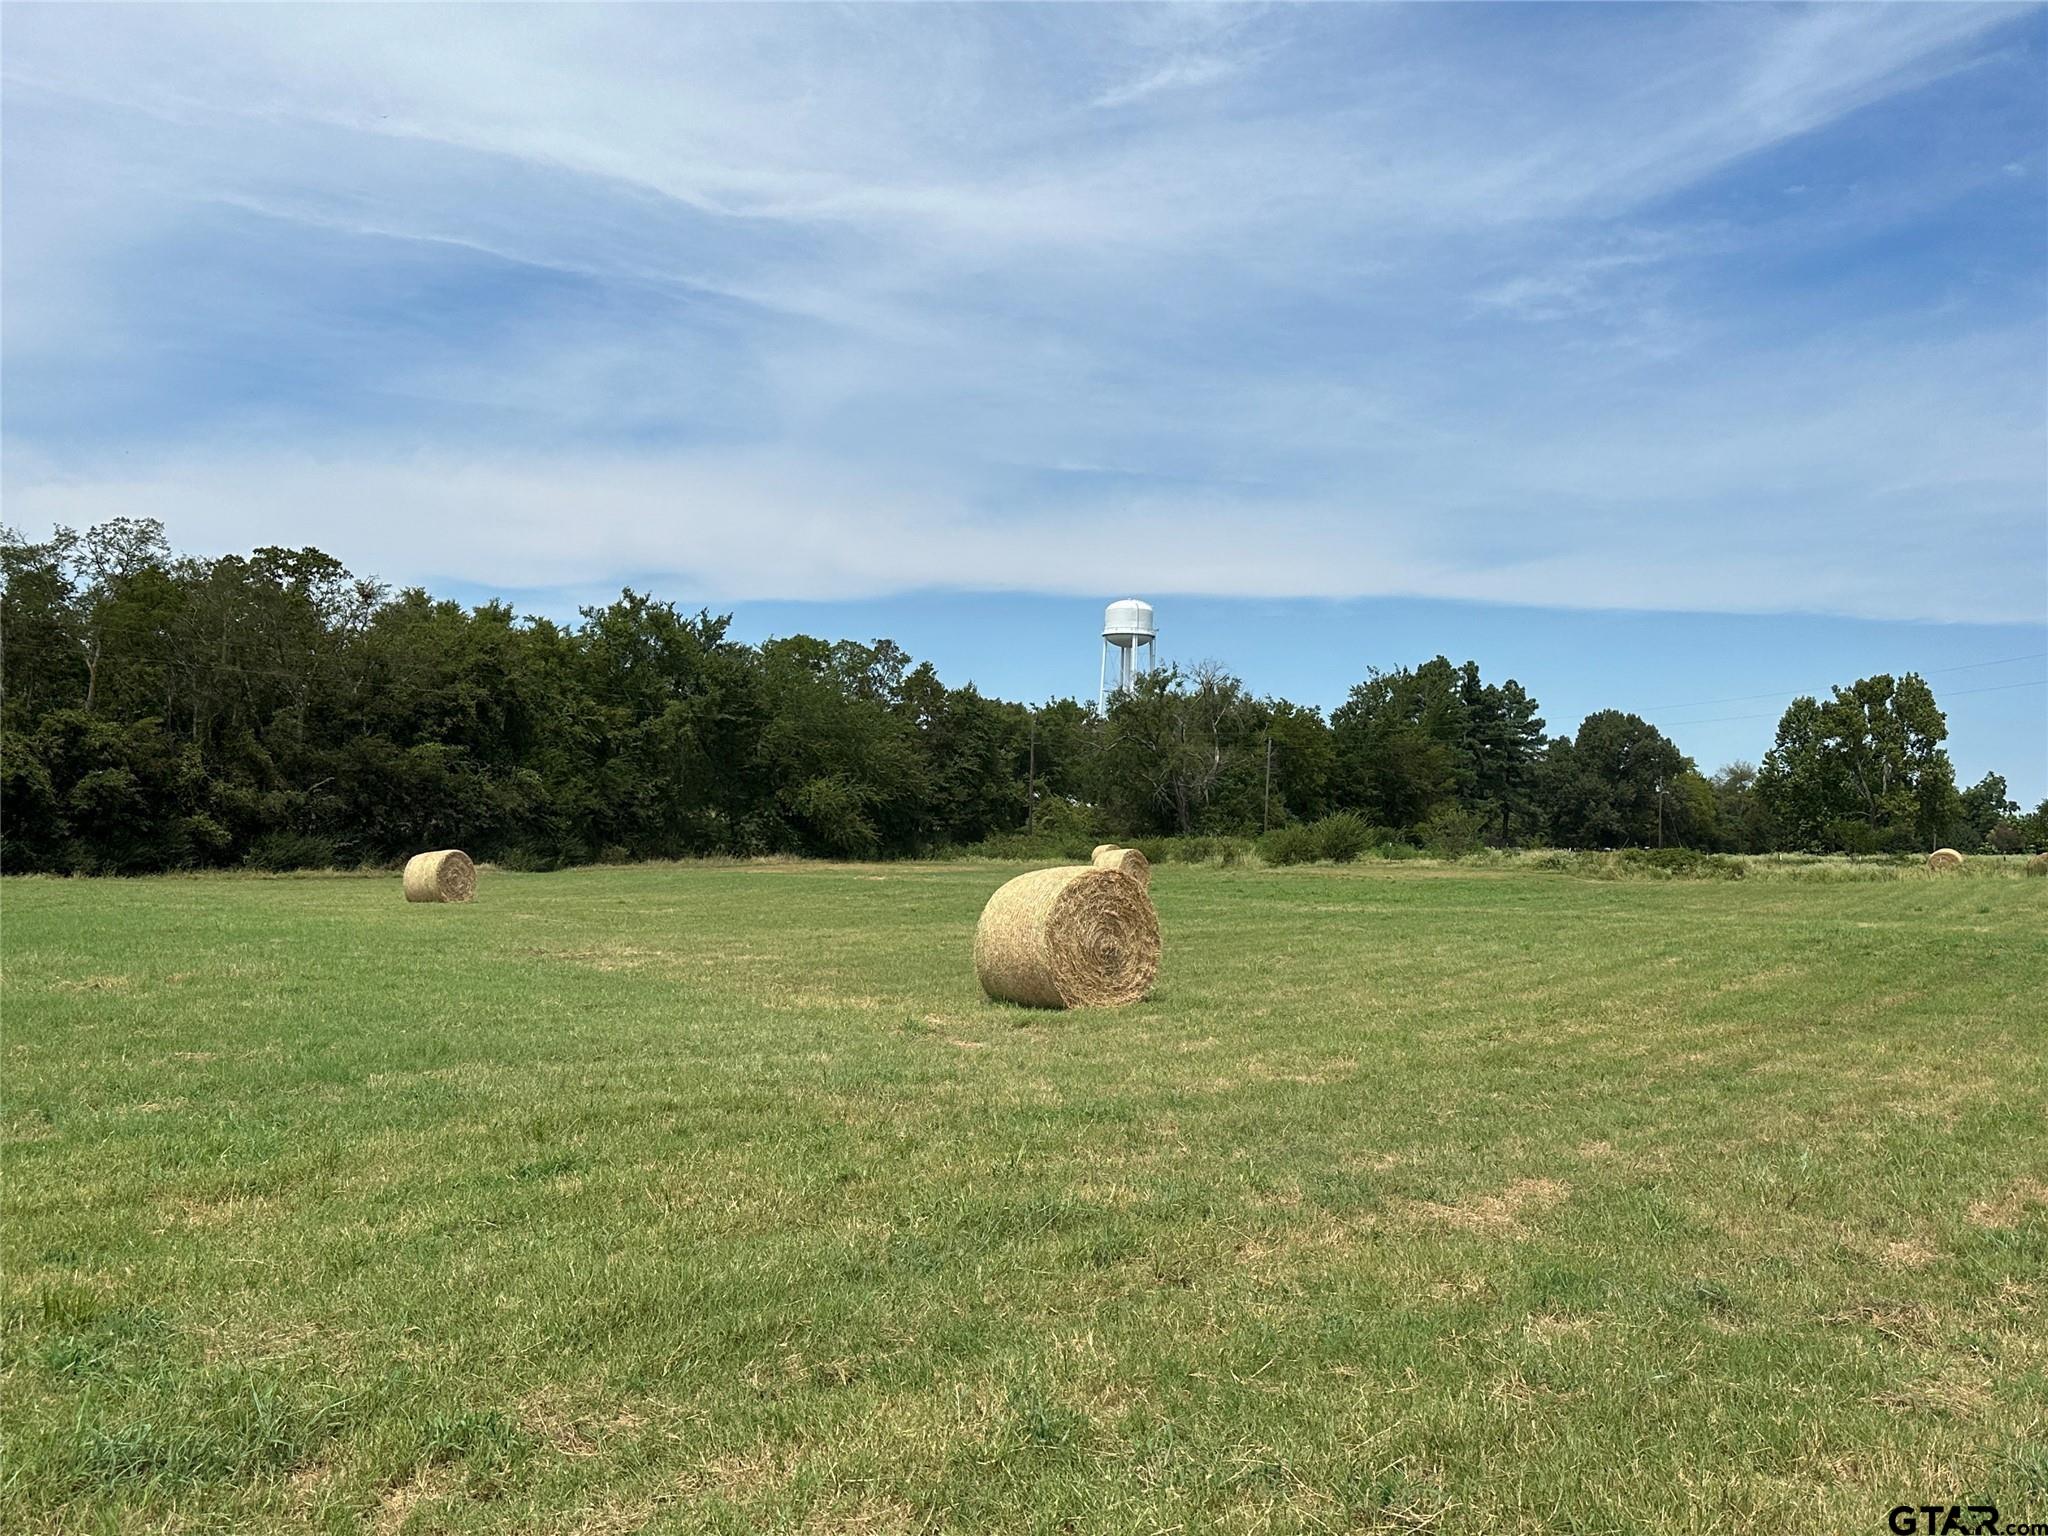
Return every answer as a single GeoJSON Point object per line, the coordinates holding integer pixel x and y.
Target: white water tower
{"type": "Point", "coordinates": [1126, 625]}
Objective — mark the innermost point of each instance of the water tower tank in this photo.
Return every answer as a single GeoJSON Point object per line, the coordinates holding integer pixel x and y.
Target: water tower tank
{"type": "Point", "coordinates": [1127, 623]}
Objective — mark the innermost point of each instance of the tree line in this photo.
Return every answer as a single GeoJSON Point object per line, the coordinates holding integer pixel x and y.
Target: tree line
{"type": "Point", "coordinates": [167, 712]}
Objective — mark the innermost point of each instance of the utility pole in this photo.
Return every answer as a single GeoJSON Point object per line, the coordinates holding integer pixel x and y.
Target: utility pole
{"type": "Point", "coordinates": [1660, 813]}
{"type": "Point", "coordinates": [1266, 811]}
{"type": "Point", "coordinates": [1031, 793]}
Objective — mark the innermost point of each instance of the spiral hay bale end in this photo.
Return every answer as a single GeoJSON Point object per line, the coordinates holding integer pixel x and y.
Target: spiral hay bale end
{"type": "Point", "coordinates": [446, 875]}
{"type": "Point", "coordinates": [1944, 858]}
{"type": "Point", "coordinates": [1072, 937]}
{"type": "Point", "coordinates": [1125, 861]}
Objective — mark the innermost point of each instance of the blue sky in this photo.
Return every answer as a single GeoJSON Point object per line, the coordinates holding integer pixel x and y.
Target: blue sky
{"type": "Point", "coordinates": [1651, 355]}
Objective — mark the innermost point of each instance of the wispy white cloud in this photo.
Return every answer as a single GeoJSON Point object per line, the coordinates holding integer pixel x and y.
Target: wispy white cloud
{"type": "Point", "coordinates": [1174, 75]}
{"type": "Point", "coordinates": [823, 302]}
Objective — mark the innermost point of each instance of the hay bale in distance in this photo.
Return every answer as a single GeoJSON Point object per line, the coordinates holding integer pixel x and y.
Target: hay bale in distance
{"type": "Point", "coordinates": [1944, 858]}
{"type": "Point", "coordinates": [446, 875]}
{"type": "Point", "coordinates": [1126, 861]}
{"type": "Point", "coordinates": [1071, 937]}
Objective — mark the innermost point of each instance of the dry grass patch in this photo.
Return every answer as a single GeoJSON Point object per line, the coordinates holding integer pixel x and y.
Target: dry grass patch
{"type": "Point", "coordinates": [610, 957]}
{"type": "Point", "coordinates": [813, 1000]}
{"type": "Point", "coordinates": [1496, 1215]}
{"type": "Point", "coordinates": [1914, 1325]}
{"type": "Point", "coordinates": [615, 1517]}
{"type": "Point", "coordinates": [740, 1477]}
{"type": "Point", "coordinates": [214, 1211]}
{"type": "Point", "coordinates": [1960, 1392]}
{"type": "Point", "coordinates": [1907, 1253]}
{"type": "Point", "coordinates": [398, 1508]}
{"type": "Point", "coordinates": [2003, 1211]}
{"type": "Point", "coordinates": [1334, 1070]}
{"type": "Point", "coordinates": [1547, 1327]}
{"type": "Point", "coordinates": [93, 984]}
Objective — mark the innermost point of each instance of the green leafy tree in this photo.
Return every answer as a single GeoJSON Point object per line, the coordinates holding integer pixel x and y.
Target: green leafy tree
{"type": "Point", "coordinates": [39, 623]}
{"type": "Point", "coordinates": [1863, 770]}
{"type": "Point", "coordinates": [273, 708]}
{"type": "Point", "coordinates": [2030, 832]}
{"type": "Point", "coordinates": [1402, 744]}
{"type": "Point", "coordinates": [1742, 823]}
{"type": "Point", "coordinates": [1063, 752]}
{"type": "Point", "coordinates": [1615, 784]}
{"type": "Point", "coordinates": [1304, 763]}
{"type": "Point", "coordinates": [1171, 742]}
{"type": "Point", "coordinates": [1504, 740]}
{"type": "Point", "coordinates": [1412, 743]}
{"type": "Point", "coordinates": [974, 753]}
{"type": "Point", "coordinates": [1987, 817]}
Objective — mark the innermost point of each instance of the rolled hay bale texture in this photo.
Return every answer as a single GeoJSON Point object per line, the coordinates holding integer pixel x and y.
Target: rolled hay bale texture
{"type": "Point", "coordinates": [443, 876]}
{"type": "Point", "coordinates": [1944, 858]}
{"type": "Point", "coordinates": [1071, 937]}
{"type": "Point", "coordinates": [1126, 861]}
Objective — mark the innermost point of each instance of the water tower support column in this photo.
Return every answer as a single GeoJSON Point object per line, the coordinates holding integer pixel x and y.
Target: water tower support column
{"type": "Point", "coordinates": [1126, 624]}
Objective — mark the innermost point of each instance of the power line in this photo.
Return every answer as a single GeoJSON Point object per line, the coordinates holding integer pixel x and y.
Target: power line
{"type": "Point", "coordinates": [1954, 693]}
{"type": "Point", "coordinates": [1787, 693]}
{"type": "Point", "coordinates": [2039, 682]}
{"type": "Point", "coordinates": [1720, 719]}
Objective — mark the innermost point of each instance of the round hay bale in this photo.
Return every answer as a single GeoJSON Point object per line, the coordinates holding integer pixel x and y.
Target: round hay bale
{"type": "Point", "coordinates": [1072, 937]}
{"type": "Point", "coordinates": [2038, 864]}
{"type": "Point", "coordinates": [1944, 858]}
{"type": "Point", "coordinates": [1100, 850]}
{"type": "Point", "coordinates": [444, 876]}
{"type": "Point", "coordinates": [1125, 861]}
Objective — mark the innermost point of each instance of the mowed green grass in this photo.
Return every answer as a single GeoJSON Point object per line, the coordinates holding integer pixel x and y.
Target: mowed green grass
{"type": "Point", "coordinates": [718, 1199]}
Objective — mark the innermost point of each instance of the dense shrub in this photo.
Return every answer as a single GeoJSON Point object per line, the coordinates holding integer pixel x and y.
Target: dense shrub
{"type": "Point", "coordinates": [1197, 849]}
{"type": "Point", "coordinates": [1688, 863]}
{"type": "Point", "coordinates": [1343, 836]}
{"type": "Point", "coordinates": [1451, 832]}
{"type": "Point", "coordinates": [1030, 848]}
{"type": "Point", "coordinates": [1067, 823]}
{"type": "Point", "coordinates": [1295, 843]}
{"type": "Point", "coordinates": [1654, 864]}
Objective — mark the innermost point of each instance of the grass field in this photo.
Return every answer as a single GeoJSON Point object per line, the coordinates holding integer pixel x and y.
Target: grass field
{"type": "Point", "coordinates": [716, 1198]}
